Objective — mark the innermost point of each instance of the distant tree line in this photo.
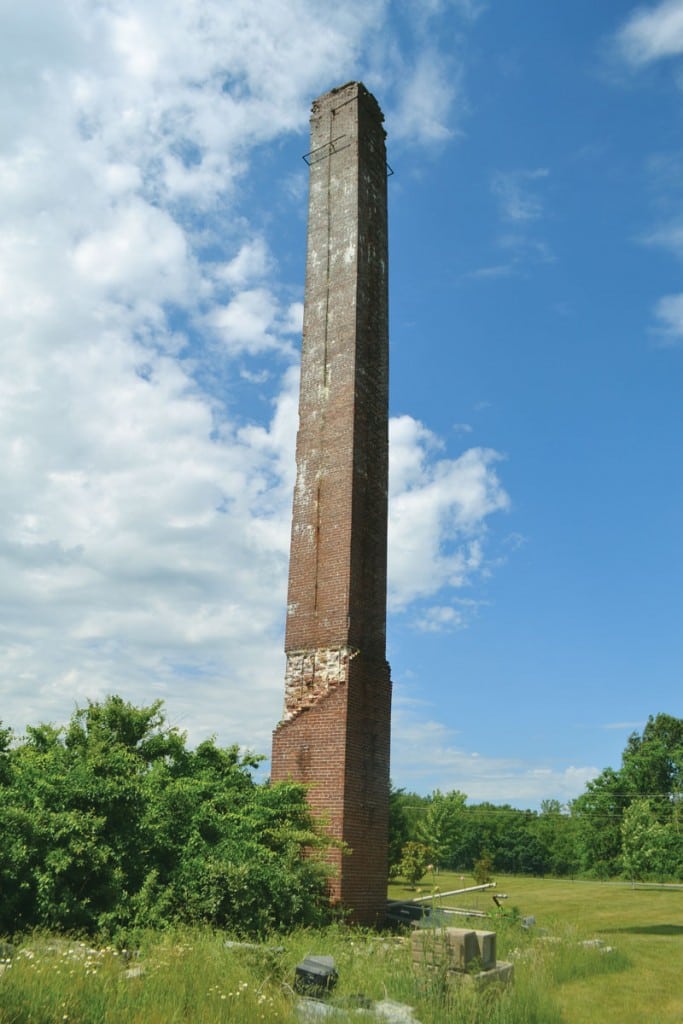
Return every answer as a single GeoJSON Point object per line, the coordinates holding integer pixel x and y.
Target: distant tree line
{"type": "Point", "coordinates": [112, 823]}
{"type": "Point", "coordinates": [628, 822]}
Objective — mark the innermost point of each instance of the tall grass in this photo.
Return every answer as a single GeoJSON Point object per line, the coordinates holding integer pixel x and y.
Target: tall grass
{"type": "Point", "coordinates": [640, 980]}
{"type": "Point", "coordinates": [193, 976]}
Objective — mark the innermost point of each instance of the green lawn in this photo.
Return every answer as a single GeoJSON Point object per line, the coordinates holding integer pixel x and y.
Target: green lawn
{"type": "Point", "coordinates": [644, 925]}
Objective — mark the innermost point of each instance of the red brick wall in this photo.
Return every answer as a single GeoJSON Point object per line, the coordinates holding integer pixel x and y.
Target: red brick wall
{"type": "Point", "coordinates": [340, 748]}
{"type": "Point", "coordinates": [337, 710]}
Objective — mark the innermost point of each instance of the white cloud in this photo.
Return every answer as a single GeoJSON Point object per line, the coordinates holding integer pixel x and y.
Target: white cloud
{"type": "Point", "coordinates": [669, 236]}
{"type": "Point", "coordinates": [493, 272]}
{"type": "Point", "coordinates": [669, 313]}
{"type": "Point", "coordinates": [652, 33]}
{"type": "Point", "coordinates": [248, 323]}
{"type": "Point", "coordinates": [139, 250]}
{"type": "Point", "coordinates": [467, 8]}
{"type": "Point", "coordinates": [426, 94]}
{"type": "Point", "coordinates": [145, 497]}
{"type": "Point", "coordinates": [426, 756]}
{"type": "Point", "coordinates": [424, 87]}
{"type": "Point", "coordinates": [139, 551]}
{"type": "Point", "coordinates": [252, 263]}
{"type": "Point", "coordinates": [631, 726]}
{"type": "Point", "coordinates": [440, 618]}
{"type": "Point", "coordinates": [438, 513]}
{"type": "Point", "coordinates": [515, 193]}
{"type": "Point", "coordinates": [520, 206]}
{"type": "Point", "coordinates": [668, 310]}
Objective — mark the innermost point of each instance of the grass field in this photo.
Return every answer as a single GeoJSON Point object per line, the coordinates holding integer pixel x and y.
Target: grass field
{"type": "Point", "coordinates": [194, 977]}
{"type": "Point", "coordinates": [644, 925]}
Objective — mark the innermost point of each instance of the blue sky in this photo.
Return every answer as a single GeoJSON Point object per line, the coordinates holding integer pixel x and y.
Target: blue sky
{"type": "Point", "coordinates": [152, 250]}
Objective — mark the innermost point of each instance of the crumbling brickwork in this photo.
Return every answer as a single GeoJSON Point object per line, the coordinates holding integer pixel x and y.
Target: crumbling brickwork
{"type": "Point", "coordinates": [335, 730]}
{"type": "Point", "coordinates": [311, 675]}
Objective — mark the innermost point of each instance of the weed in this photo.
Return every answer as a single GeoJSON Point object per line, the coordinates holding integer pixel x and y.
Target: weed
{"type": "Point", "coordinates": [598, 952]}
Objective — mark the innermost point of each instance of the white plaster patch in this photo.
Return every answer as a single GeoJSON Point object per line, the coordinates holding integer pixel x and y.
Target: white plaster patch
{"type": "Point", "coordinates": [311, 675]}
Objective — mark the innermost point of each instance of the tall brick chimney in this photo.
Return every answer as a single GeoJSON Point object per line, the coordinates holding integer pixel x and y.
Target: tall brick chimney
{"type": "Point", "coordinates": [335, 732]}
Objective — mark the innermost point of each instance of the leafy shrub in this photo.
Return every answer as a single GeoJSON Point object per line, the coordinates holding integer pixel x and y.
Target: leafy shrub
{"type": "Point", "coordinates": [113, 823]}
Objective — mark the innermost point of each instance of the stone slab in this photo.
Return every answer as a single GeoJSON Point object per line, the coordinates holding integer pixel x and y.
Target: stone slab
{"type": "Point", "coordinates": [486, 944]}
{"type": "Point", "coordinates": [502, 974]}
{"type": "Point", "coordinates": [450, 948]}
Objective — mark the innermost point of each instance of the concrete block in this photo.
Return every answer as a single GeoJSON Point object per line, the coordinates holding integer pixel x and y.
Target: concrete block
{"type": "Point", "coordinates": [453, 949]}
{"type": "Point", "coordinates": [502, 974]}
{"type": "Point", "coordinates": [486, 944]}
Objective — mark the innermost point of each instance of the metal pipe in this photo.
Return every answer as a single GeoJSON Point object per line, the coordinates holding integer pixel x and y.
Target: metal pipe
{"type": "Point", "coordinates": [455, 892]}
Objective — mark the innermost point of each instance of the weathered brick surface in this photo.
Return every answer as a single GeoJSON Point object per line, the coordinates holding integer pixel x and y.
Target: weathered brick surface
{"type": "Point", "coordinates": [335, 731]}
{"type": "Point", "coordinates": [455, 949]}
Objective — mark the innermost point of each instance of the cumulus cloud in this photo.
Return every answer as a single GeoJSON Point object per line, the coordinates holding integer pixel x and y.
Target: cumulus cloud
{"type": "Point", "coordinates": [248, 322]}
{"type": "Point", "coordinates": [652, 33]}
{"type": "Point", "coordinates": [438, 512]}
{"type": "Point", "coordinates": [426, 93]}
{"type": "Point", "coordinates": [252, 263]}
{"type": "Point", "coordinates": [148, 381]}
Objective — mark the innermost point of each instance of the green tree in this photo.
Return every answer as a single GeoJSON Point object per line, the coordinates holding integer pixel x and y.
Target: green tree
{"type": "Point", "coordinates": [488, 830]}
{"type": "Point", "coordinates": [414, 863]}
{"type": "Point", "coordinates": [650, 848]}
{"type": "Point", "coordinates": [644, 841]}
{"type": "Point", "coordinates": [556, 831]}
{"type": "Point", "coordinates": [597, 814]}
{"type": "Point", "coordinates": [525, 852]}
{"type": "Point", "coordinates": [652, 764]}
{"type": "Point", "coordinates": [399, 826]}
{"type": "Point", "coordinates": [6, 738]}
{"type": "Point", "coordinates": [440, 827]}
{"type": "Point", "coordinates": [651, 771]}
